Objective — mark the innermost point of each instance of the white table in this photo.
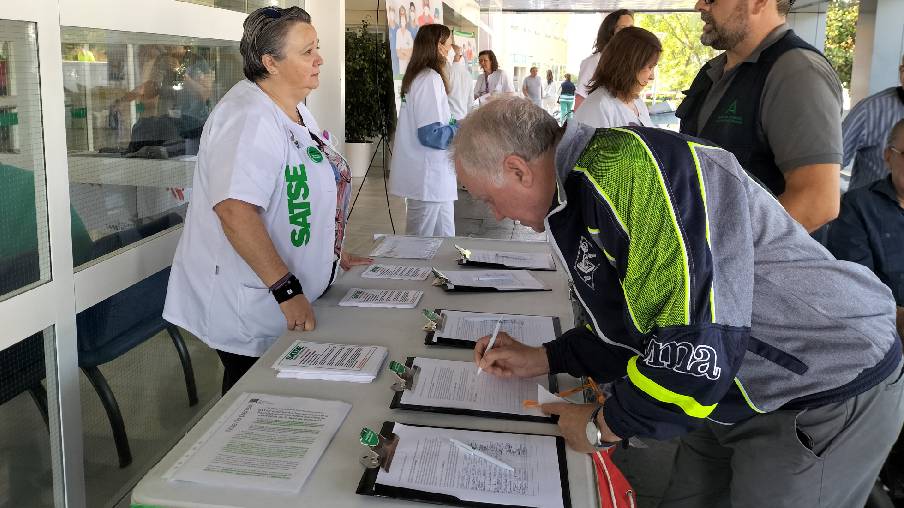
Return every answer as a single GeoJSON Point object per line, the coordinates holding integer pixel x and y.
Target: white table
{"type": "Point", "coordinates": [336, 476]}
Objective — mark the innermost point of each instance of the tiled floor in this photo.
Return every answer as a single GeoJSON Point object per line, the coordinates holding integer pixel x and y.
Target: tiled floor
{"type": "Point", "coordinates": [149, 387]}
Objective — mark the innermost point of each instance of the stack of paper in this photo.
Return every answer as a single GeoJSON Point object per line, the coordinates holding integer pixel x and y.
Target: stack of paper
{"type": "Point", "coordinates": [386, 298]}
{"type": "Point", "coordinates": [527, 260]}
{"type": "Point", "coordinates": [332, 362]}
{"type": "Point", "coordinates": [411, 247]}
{"type": "Point", "coordinates": [502, 280]}
{"type": "Point", "coordinates": [470, 326]}
{"type": "Point", "coordinates": [262, 442]}
{"type": "Point", "coordinates": [398, 272]}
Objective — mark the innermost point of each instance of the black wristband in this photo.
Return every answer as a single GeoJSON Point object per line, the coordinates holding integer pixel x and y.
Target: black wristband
{"type": "Point", "coordinates": [286, 288]}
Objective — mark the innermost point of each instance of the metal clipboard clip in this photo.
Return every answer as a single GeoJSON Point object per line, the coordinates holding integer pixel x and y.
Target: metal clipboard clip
{"type": "Point", "coordinates": [404, 374]}
{"type": "Point", "coordinates": [464, 253]}
{"type": "Point", "coordinates": [434, 321]}
{"type": "Point", "coordinates": [380, 449]}
{"type": "Point", "coordinates": [439, 278]}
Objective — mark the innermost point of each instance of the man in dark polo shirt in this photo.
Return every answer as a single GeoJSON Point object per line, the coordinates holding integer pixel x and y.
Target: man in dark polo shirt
{"type": "Point", "coordinates": [773, 101]}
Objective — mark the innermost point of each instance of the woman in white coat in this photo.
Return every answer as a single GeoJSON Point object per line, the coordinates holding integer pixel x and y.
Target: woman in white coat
{"type": "Point", "coordinates": [493, 80]}
{"type": "Point", "coordinates": [627, 65]}
{"type": "Point", "coordinates": [264, 231]}
{"type": "Point", "coordinates": [420, 170]}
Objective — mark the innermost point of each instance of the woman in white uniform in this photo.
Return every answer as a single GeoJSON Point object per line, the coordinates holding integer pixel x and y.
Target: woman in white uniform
{"type": "Point", "coordinates": [420, 170]}
{"type": "Point", "coordinates": [627, 65]}
{"type": "Point", "coordinates": [404, 41]}
{"type": "Point", "coordinates": [612, 24]}
{"type": "Point", "coordinates": [263, 236]}
{"type": "Point", "coordinates": [493, 80]}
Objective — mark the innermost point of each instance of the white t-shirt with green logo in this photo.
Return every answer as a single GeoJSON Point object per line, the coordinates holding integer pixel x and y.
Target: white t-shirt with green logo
{"type": "Point", "coordinates": [252, 152]}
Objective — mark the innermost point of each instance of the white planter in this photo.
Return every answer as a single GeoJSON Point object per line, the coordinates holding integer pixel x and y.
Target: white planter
{"type": "Point", "coordinates": [359, 155]}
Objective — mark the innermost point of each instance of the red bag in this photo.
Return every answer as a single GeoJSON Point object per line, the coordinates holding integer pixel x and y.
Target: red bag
{"type": "Point", "coordinates": [614, 489]}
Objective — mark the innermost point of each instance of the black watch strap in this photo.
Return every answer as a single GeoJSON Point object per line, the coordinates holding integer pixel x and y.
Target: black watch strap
{"type": "Point", "coordinates": [286, 288]}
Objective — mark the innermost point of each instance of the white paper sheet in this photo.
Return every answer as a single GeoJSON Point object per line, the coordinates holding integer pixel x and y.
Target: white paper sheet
{"type": "Point", "coordinates": [531, 330]}
{"type": "Point", "coordinates": [397, 272]}
{"type": "Point", "coordinates": [388, 298]}
{"type": "Point", "coordinates": [407, 247]}
{"type": "Point", "coordinates": [263, 442]}
{"type": "Point", "coordinates": [534, 260]}
{"type": "Point", "coordinates": [333, 362]}
{"type": "Point", "coordinates": [455, 384]}
{"type": "Point", "coordinates": [504, 280]}
{"type": "Point", "coordinates": [427, 461]}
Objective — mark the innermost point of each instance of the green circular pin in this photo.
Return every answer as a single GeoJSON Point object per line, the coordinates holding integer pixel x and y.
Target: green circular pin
{"type": "Point", "coordinates": [397, 367]}
{"type": "Point", "coordinates": [315, 154]}
{"type": "Point", "coordinates": [369, 437]}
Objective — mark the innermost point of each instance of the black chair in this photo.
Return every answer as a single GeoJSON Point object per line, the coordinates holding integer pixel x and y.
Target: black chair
{"type": "Point", "coordinates": [22, 365]}
{"type": "Point", "coordinates": [118, 324]}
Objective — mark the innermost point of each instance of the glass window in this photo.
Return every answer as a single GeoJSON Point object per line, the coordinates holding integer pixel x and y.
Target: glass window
{"type": "Point", "coordinates": [246, 5]}
{"type": "Point", "coordinates": [135, 106]}
{"type": "Point", "coordinates": [24, 249]}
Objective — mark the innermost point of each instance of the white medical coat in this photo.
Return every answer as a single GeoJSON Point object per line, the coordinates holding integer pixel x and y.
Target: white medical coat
{"type": "Point", "coordinates": [252, 152]}
{"type": "Point", "coordinates": [417, 171]}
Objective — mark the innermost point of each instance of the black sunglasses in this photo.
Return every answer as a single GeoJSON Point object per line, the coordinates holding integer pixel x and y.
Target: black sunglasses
{"type": "Point", "coordinates": [272, 12]}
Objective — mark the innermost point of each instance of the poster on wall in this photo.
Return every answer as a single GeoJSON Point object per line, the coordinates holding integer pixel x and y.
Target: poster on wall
{"type": "Point", "coordinates": [468, 43]}
{"type": "Point", "coordinates": [404, 18]}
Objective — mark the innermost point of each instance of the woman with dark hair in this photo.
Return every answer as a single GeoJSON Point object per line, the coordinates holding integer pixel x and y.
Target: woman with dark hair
{"type": "Point", "coordinates": [404, 40]}
{"type": "Point", "coordinates": [612, 23]}
{"type": "Point", "coordinates": [420, 168]}
{"type": "Point", "coordinates": [493, 80]}
{"type": "Point", "coordinates": [626, 66]}
{"type": "Point", "coordinates": [265, 226]}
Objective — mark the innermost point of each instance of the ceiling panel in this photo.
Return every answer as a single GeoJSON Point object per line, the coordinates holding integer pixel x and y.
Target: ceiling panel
{"type": "Point", "coordinates": [587, 5]}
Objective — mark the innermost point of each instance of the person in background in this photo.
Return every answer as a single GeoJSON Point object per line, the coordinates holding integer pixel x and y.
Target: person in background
{"type": "Point", "coordinates": [413, 24]}
{"type": "Point", "coordinates": [550, 91]}
{"type": "Point", "coordinates": [566, 99]}
{"type": "Point", "coordinates": [626, 67]}
{"type": "Point", "coordinates": [772, 100]}
{"type": "Point", "coordinates": [460, 84]}
{"type": "Point", "coordinates": [612, 23]}
{"type": "Point", "coordinates": [420, 168]}
{"type": "Point", "coordinates": [404, 40]}
{"type": "Point", "coordinates": [532, 87]}
{"type": "Point", "coordinates": [870, 228]}
{"type": "Point", "coordinates": [492, 80]}
{"type": "Point", "coordinates": [265, 226]}
{"type": "Point", "coordinates": [393, 25]}
{"type": "Point", "coordinates": [864, 129]}
{"type": "Point", "coordinates": [713, 314]}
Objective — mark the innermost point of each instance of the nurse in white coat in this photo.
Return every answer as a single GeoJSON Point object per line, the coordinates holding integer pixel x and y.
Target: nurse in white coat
{"type": "Point", "coordinates": [493, 80]}
{"type": "Point", "coordinates": [420, 170]}
{"type": "Point", "coordinates": [263, 235]}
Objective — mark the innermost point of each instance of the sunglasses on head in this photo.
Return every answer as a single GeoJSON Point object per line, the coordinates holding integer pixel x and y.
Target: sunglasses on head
{"type": "Point", "coordinates": [272, 12]}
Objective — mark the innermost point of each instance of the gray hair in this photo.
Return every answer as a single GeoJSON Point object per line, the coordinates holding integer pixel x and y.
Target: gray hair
{"type": "Point", "coordinates": [265, 34]}
{"type": "Point", "coordinates": [893, 134]}
{"type": "Point", "coordinates": [504, 126]}
{"type": "Point", "coordinates": [784, 6]}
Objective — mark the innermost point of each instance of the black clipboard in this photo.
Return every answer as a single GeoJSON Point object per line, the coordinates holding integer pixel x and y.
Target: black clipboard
{"type": "Point", "coordinates": [431, 340]}
{"type": "Point", "coordinates": [368, 485]}
{"type": "Point", "coordinates": [552, 384]}
{"type": "Point", "coordinates": [453, 288]}
{"type": "Point", "coordinates": [485, 264]}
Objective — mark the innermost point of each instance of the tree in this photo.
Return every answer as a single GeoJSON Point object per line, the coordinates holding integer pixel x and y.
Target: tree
{"type": "Point", "coordinates": [841, 30]}
{"type": "Point", "coordinates": [682, 53]}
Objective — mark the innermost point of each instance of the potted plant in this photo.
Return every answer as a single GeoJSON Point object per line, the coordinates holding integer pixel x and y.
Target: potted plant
{"type": "Point", "coordinates": [369, 104]}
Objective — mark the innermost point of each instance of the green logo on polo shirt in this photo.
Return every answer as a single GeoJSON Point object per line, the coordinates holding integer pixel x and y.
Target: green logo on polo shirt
{"type": "Point", "coordinates": [315, 154]}
{"type": "Point", "coordinates": [731, 115]}
{"type": "Point", "coordinates": [297, 193]}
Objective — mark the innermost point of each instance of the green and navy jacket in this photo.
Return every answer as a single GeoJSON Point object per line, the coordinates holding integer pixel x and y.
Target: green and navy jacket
{"type": "Point", "coordinates": [705, 299]}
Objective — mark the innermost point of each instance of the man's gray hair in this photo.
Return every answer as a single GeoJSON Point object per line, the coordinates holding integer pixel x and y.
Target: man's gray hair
{"type": "Point", "coordinates": [265, 34]}
{"type": "Point", "coordinates": [504, 126]}
{"type": "Point", "coordinates": [896, 130]}
{"type": "Point", "coordinates": [784, 6]}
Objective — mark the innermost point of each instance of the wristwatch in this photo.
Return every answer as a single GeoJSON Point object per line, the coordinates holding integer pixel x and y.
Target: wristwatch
{"type": "Point", "coordinates": [594, 433]}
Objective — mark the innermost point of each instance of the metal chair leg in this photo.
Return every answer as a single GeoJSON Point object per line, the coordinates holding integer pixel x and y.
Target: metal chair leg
{"type": "Point", "coordinates": [187, 369]}
{"type": "Point", "coordinates": [113, 414]}
{"type": "Point", "coordinates": [39, 395]}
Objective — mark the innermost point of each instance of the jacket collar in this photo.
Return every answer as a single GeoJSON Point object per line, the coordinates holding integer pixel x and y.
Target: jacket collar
{"type": "Point", "coordinates": [886, 188]}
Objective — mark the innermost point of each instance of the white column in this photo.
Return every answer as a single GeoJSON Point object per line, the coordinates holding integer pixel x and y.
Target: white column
{"type": "Point", "coordinates": [327, 103]}
{"type": "Point", "coordinates": [887, 45]}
